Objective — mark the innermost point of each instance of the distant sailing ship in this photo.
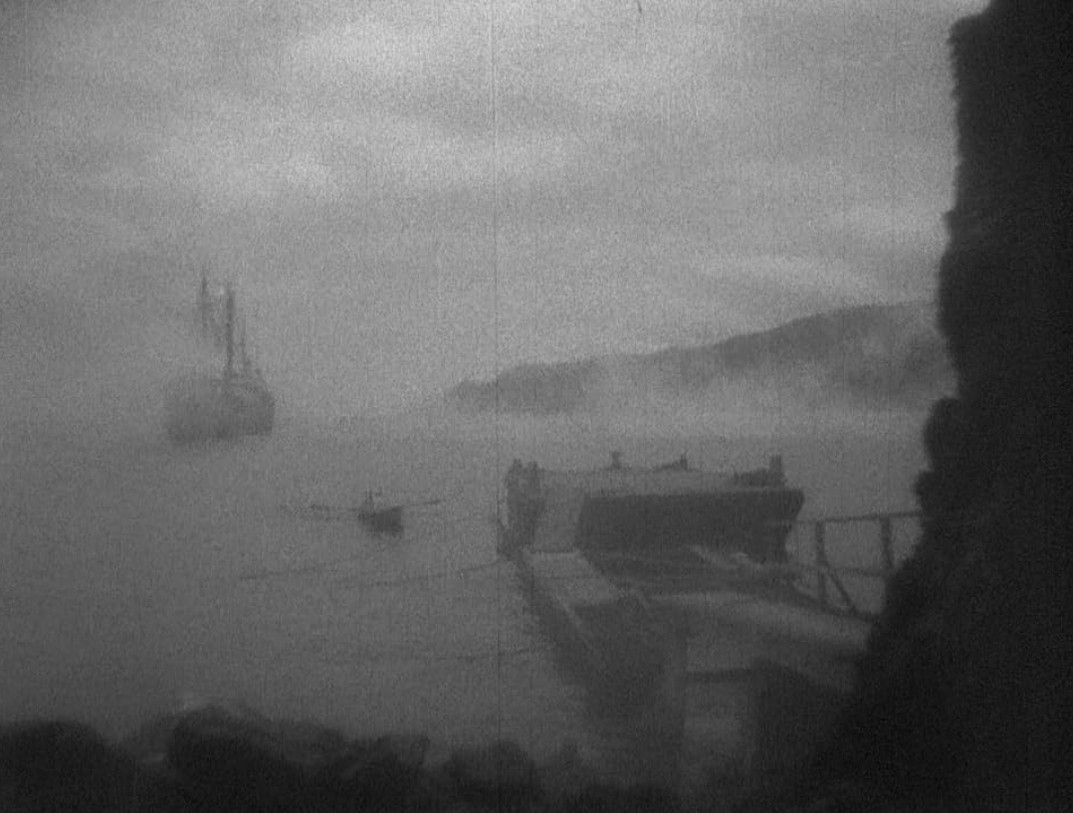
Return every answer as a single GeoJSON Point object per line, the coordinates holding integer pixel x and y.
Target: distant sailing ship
{"type": "Point", "coordinates": [226, 405]}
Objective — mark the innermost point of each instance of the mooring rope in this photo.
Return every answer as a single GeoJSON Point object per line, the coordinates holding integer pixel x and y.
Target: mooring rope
{"type": "Point", "coordinates": [351, 582]}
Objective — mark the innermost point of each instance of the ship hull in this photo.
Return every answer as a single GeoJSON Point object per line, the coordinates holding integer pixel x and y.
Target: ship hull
{"type": "Point", "coordinates": [209, 409]}
{"type": "Point", "coordinates": [753, 521]}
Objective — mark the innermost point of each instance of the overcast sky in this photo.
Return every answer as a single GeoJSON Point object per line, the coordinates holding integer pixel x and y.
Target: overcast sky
{"type": "Point", "coordinates": [407, 193]}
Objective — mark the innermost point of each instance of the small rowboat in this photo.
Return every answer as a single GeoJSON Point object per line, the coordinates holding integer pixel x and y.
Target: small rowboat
{"type": "Point", "coordinates": [385, 519]}
{"type": "Point", "coordinates": [371, 513]}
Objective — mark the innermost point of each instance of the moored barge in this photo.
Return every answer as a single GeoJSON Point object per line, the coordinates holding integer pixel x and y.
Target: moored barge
{"type": "Point", "coordinates": [596, 549]}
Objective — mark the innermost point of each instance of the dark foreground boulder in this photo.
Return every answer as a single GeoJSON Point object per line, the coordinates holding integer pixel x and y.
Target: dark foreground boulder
{"type": "Point", "coordinates": [65, 766]}
{"type": "Point", "coordinates": [499, 776]}
{"type": "Point", "coordinates": [230, 759]}
{"type": "Point", "coordinates": [383, 775]}
{"type": "Point", "coordinates": [234, 763]}
{"type": "Point", "coordinates": [604, 798]}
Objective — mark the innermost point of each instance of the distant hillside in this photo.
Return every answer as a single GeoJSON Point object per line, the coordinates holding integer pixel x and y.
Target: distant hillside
{"type": "Point", "coordinates": [871, 355]}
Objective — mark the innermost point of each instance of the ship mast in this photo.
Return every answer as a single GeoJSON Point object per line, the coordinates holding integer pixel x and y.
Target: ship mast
{"type": "Point", "coordinates": [229, 315]}
{"type": "Point", "coordinates": [244, 359]}
{"type": "Point", "coordinates": [203, 304]}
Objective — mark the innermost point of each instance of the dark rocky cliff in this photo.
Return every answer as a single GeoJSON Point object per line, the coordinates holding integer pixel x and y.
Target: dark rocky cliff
{"type": "Point", "coordinates": [964, 699]}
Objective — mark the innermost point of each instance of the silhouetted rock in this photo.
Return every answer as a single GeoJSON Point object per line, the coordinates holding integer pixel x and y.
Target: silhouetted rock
{"type": "Point", "coordinates": [229, 759]}
{"type": "Point", "coordinates": [386, 774]}
{"type": "Point", "coordinates": [499, 776]}
{"type": "Point", "coordinates": [236, 763]}
{"type": "Point", "coordinates": [148, 744]}
{"type": "Point", "coordinates": [964, 697]}
{"type": "Point", "coordinates": [65, 766]}
{"type": "Point", "coordinates": [565, 775]}
{"type": "Point", "coordinates": [604, 798]}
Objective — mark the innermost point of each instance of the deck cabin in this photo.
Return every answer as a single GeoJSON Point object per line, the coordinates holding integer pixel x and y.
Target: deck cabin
{"type": "Point", "coordinates": [652, 515]}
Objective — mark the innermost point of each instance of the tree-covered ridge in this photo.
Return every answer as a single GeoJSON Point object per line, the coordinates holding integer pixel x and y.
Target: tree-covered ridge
{"type": "Point", "coordinates": [872, 354]}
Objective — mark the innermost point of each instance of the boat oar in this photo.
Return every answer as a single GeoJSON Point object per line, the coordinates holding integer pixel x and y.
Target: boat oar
{"type": "Point", "coordinates": [341, 512]}
{"type": "Point", "coordinates": [320, 511]}
{"type": "Point", "coordinates": [423, 503]}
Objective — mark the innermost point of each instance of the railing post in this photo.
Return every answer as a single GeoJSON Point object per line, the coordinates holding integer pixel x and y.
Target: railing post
{"type": "Point", "coordinates": [821, 560]}
{"type": "Point", "coordinates": [886, 546]}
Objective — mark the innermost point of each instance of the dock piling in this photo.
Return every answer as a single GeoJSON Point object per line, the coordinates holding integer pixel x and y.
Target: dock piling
{"type": "Point", "coordinates": [886, 545]}
{"type": "Point", "coordinates": [821, 560]}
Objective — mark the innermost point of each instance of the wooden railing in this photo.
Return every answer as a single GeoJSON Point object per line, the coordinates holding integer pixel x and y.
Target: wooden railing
{"type": "Point", "coordinates": [829, 576]}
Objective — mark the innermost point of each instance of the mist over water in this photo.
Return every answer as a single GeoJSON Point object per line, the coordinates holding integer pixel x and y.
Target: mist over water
{"type": "Point", "coordinates": [401, 203]}
{"type": "Point", "coordinates": [135, 576]}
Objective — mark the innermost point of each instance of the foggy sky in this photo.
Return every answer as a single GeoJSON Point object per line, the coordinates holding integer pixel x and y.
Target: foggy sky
{"type": "Point", "coordinates": [407, 194]}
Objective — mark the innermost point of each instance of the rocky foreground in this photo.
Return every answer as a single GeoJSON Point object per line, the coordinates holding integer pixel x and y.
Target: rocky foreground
{"type": "Point", "coordinates": [220, 758]}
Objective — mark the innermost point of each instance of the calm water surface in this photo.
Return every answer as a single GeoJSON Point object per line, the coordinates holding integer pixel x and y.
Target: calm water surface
{"type": "Point", "coordinates": [135, 577]}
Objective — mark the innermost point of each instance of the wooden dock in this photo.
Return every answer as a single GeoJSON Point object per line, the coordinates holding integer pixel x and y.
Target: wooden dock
{"type": "Point", "coordinates": [762, 674]}
{"type": "Point", "coordinates": [750, 663]}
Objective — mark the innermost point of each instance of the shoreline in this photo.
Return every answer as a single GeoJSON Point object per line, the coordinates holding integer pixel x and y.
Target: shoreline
{"type": "Point", "coordinates": [230, 757]}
